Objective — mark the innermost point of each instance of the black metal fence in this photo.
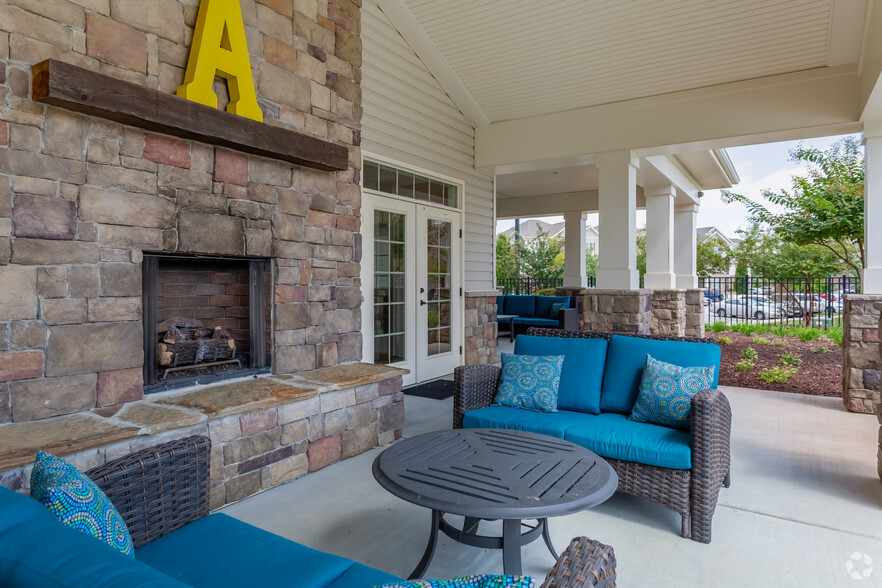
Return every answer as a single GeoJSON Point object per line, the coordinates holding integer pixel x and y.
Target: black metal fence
{"type": "Point", "coordinates": [529, 285]}
{"type": "Point", "coordinates": [795, 301]}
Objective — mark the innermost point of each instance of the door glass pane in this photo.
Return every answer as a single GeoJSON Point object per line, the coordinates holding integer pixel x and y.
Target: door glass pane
{"type": "Point", "coordinates": [438, 278]}
{"type": "Point", "coordinates": [389, 304]}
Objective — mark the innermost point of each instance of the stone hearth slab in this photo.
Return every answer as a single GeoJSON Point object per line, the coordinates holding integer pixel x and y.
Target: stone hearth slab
{"type": "Point", "coordinates": [152, 418]}
{"type": "Point", "coordinates": [345, 376]}
{"type": "Point", "coordinates": [60, 436]}
{"type": "Point", "coordinates": [240, 397]}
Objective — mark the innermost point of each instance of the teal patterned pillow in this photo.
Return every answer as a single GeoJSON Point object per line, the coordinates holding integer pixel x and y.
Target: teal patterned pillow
{"type": "Point", "coordinates": [666, 391]}
{"type": "Point", "coordinates": [529, 381]}
{"type": "Point", "coordinates": [78, 502]}
{"type": "Point", "coordinates": [478, 581]}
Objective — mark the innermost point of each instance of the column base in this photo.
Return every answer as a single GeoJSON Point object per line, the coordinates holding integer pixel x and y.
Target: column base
{"type": "Point", "coordinates": [871, 280]}
{"type": "Point", "coordinates": [575, 281]}
{"type": "Point", "coordinates": [660, 280]}
{"type": "Point", "coordinates": [618, 279]}
{"type": "Point", "coordinates": [687, 282]}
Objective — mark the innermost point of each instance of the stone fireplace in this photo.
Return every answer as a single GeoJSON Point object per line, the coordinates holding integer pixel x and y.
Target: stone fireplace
{"type": "Point", "coordinates": [114, 220]}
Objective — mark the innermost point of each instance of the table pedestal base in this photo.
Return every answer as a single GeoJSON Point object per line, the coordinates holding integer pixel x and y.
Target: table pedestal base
{"type": "Point", "coordinates": [510, 543]}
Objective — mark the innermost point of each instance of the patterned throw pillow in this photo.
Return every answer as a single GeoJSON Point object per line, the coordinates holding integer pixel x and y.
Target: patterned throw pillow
{"type": "Point", "coordinates": [78, 502]}
{"type": "Point", "coordinates": [530, 382]}
{"type": "Point", "coordinates": [555, 309]}
{"type": "Point", "coordinates": [666, 391]}
{"type": "Point", "coordinates": [479, 581]}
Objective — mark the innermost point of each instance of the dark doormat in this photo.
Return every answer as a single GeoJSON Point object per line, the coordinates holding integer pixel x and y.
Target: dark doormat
{"type": "Point", "coordinates": [436, 389]}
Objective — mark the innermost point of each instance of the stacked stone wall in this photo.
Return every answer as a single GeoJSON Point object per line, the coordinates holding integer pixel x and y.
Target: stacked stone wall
{"type": "Point", "coordinates": [614, 311]}
{"type": "Point", "coordinates": [481, 328]}
{"type": "Point", "coordinates": [82, 198]}
{"type": "Point", "coordinates": [695, 310]}
{"type": "Point", "coordinates": [668, 312]}
{"type": "Point", "coordinates": [860, 347]}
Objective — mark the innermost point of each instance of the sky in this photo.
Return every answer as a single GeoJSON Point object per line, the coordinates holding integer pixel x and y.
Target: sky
{"type": "Point", "coordinates": [760, 167]}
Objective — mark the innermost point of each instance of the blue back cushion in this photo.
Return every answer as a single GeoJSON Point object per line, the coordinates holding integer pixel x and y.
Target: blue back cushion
{"type": "Point", "coordinates": [522, 305]}
{"type": "Point", "coordinates": [543, 304]}
{"type": "Point", "coordinates": [500, 305]}
{"type": "Point", "coordinates": [36, 549]}
{"type": "Point", "coordinates": [626, 359]}
{"type": "Point", "coordinates": [582, 374]}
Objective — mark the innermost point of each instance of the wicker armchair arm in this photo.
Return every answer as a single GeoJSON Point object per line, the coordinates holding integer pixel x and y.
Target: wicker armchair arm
{"type": "Point", "coordinates": [585, 563]}
{"type": "Point", "coordinates": [474, 386]}
{"type": "Point", "coordinates": [159, 489]}
{"type": "Point", "coordinates": [711, 432]}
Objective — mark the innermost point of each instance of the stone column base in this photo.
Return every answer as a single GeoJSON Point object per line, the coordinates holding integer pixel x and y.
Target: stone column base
{"type": "Point", "coordinates": [669, 312]}
{"type": "Point", "coordinates": [628, 312]}
{"type": "Point", "coordinates": [481, 328]}
{"type": "Point", "coordinates": [860, 352]}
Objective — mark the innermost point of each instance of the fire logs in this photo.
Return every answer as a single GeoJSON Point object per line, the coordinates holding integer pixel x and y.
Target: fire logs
{"type": "Point", "coordinates": [188, 341]}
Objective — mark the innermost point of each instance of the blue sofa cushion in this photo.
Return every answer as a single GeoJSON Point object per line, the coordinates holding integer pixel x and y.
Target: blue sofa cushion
{"type": "Point", "coordinates": [500, 304]}
{"type": "Point", "coordinates": [544, 304]}
{"type": "Point", "coordinates": [626, 359]}
{"type": "Point", "coordinates": [666, 391]}
{"type": "Point", "coordinates": [582, 373]}
{"type": "Point", "coordinates": [38, 550]}
{"type": "Point", "coordinates": [520, 305]}
{"type": "Point", "coordinates": [536, 322]}
{"type": "Point", "coordinates": [608, 435]}
{"type": "Point", "coordinates": [475, 581]}
{"type": "Point", "coordinates": [260, 558]}
{"type": "Point", "coordinates": [71, 496]}
{"type": "Point", "coordinates": [613, 435]}
{"type": "Point", "coordinates": [529, 382]}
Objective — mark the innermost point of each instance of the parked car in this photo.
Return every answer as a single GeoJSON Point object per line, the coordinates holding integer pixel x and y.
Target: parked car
{"type": "Point", "coordinates": [713, 295]}
{"type": "Point", "coordinates": [748, 307]}
{"type": "Point", "coordinates": [797, 304]}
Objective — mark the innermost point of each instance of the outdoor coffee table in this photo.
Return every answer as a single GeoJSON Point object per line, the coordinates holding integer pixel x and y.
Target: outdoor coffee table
{"type": "Point", "coordinates": [488, 474]}
{"type": "Point", "coordinates": [510, 318]}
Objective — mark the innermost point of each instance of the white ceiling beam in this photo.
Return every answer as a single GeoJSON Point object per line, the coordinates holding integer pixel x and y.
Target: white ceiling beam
{"type": "Point", "coordinates": [674, 171]}
{"type": "Point", "coordinates": [818, 102]}
{"type": "Point", "coordinates": [403, 20]}
{"type": "Point", "coordinates": [546, 205]}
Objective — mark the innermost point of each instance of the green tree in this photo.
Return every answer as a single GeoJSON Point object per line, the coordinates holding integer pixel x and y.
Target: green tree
{"type": "Point", "coordinates": [541, 257]}
{"type": "Point", "coordinates": [825, 208]}
{"type": "Point", "coordinates": [641, 251]}
{"type": "Point", "coordinates": [591, 260]}
{"type": "Point", "coordinates": [506, 259]}
{"type": "Point", "coordinates": [713, 256]}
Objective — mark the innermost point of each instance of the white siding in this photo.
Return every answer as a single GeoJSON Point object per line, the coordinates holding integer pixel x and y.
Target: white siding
{"type": "Point", "coordinates": [408, 117]}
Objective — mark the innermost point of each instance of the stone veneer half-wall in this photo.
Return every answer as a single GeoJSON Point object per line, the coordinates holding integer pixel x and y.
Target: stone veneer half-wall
{"type": "Point", "coordinates": [616, 311]}
{"type": "Point", "coordinates": [263, 432]}
{"type": "Point", "coordinates": [695, 313]}
{"type": "Point", "coordinates": [860, 347]}
{"type": "Point", "coordinates": [668, 312]}
{"type": "Point", "coordinates": [481, 328]}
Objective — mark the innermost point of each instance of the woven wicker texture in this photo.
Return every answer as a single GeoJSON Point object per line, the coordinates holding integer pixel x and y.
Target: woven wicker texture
{"type": "Point", "coordinates": [584, 563]}
{"type": "Point", "coordinates": [691, 493]}
{"type": "Point", "coordinates": [160, 489]}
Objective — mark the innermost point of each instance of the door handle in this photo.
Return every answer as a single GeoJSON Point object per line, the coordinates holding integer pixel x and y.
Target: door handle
{"type": "Point", "coordinates": [422, 302]}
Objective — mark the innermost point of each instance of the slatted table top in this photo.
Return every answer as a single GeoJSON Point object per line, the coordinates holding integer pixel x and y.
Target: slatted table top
{"type": "Point", "coordinates": [495, 473]}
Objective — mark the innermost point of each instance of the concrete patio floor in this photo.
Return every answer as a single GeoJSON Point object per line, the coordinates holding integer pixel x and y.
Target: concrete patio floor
{"type": "Point", "coordinates": [805, 498]}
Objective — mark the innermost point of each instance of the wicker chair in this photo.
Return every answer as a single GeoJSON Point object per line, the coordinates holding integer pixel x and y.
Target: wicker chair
{"type": "Point", "coordinates": [161, 489]}
{"type": "Point", "coordinates": [692, 493]}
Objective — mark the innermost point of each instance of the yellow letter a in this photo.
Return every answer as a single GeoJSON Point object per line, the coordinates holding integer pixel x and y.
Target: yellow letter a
{"type": "Point", "coordinates": [220, 48]}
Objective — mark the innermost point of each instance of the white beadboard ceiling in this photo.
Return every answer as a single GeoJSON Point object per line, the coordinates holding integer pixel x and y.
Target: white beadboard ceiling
{"type": "Point", "coordinates": [522, 58]}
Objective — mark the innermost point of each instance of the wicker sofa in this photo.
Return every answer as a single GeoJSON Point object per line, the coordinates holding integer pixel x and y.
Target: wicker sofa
{"type": "Point", "coordinates": [162, 494]}
{"type": "Point", "coordinates": [680, 470]}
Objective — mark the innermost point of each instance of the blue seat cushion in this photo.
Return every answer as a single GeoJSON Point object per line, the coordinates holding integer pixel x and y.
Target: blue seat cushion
{"type": "Point", "coordinates": [615, 436]}
{"type": "Point", "coordinates": [520, 305]}
{"type": "Point", "coordinates": [582, 374]}
{"type": "Point", "coordinates": [543, 304]}
{"type": "Point", "coordinates": [254, 557]}
{"type": "Point", "coordinates": [608, 435]}
{"type": "Point", "coordinates": [626, 359]}
{"type": "Point", "coordinates": [36, 549]}
{"type": "Point", "coordinates": [536, 321]}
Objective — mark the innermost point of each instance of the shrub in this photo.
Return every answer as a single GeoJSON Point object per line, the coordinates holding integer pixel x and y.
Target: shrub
{"type": "Point", "coordinates": [779, 342]}
{"type": "Point", "coordinates": [760, 340]}
{"type": "Point", "coordinates": [808, 333]}
{"type": "Point", "coordinates": [836, 335]}
{"type": "Point", "coordinates": [724, 340]}
{"type": "Point", "coordinates": [545, 292]}
{"type": "Point", "coordinates": [778, 330]}
{"type": "Point", "coordinates": [748, 353]}
{"type": "Point", "coordinates": [790, 359]}
{"type": "Point", "coordinates": [744, 365]}
{"type": "Point", "coordinates": [719, 326]}
{"type": "Point", "coordinates": [820, 349]}
{"type": "Point", "coordinates": [778, 375]}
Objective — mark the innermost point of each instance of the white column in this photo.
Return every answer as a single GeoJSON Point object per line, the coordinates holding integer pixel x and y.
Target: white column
{"type": "Point", "coordinates": [617, 187]}
{"type": "Point", "coordinates": [660, 237]}
{"type": "Point", "coordinates": [685, 250]}
{"type": "Point", "coordinates": [574, 251]}
{"type": "Point", "coordinates": [871, 278]}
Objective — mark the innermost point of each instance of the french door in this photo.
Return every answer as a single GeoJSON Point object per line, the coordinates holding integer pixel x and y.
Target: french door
{"type": "Point", "coordinates": [411, 279]}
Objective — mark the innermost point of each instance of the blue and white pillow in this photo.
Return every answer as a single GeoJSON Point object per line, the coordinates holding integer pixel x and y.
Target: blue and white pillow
{"type": "Point", "coordinates": [477, 581]}
{"type": "Point", "coordinates": [78, 502]}
{"type": "Point", "coordinates": [666, 391]}
{"type": "Point", "coordinates": [530, 382]}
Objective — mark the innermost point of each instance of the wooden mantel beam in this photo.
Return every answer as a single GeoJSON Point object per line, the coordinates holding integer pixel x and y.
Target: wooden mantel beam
{"type": "Point", "coordinates": [74, 88]}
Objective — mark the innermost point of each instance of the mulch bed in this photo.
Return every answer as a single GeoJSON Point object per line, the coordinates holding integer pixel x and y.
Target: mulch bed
{"type": "Point", "coordinates": [819, 374]}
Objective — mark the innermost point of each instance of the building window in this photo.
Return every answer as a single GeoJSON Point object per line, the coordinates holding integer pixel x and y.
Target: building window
{"type": "Point", "coordinates": [391, 180]}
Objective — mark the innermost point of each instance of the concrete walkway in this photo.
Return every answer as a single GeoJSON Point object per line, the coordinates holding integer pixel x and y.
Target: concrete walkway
{"type": "Point", "coordinates": [805, 498]}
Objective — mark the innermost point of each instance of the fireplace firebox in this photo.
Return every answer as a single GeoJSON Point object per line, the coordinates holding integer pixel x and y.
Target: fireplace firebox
{"type": "Point", "coordinates": [205, 319]}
